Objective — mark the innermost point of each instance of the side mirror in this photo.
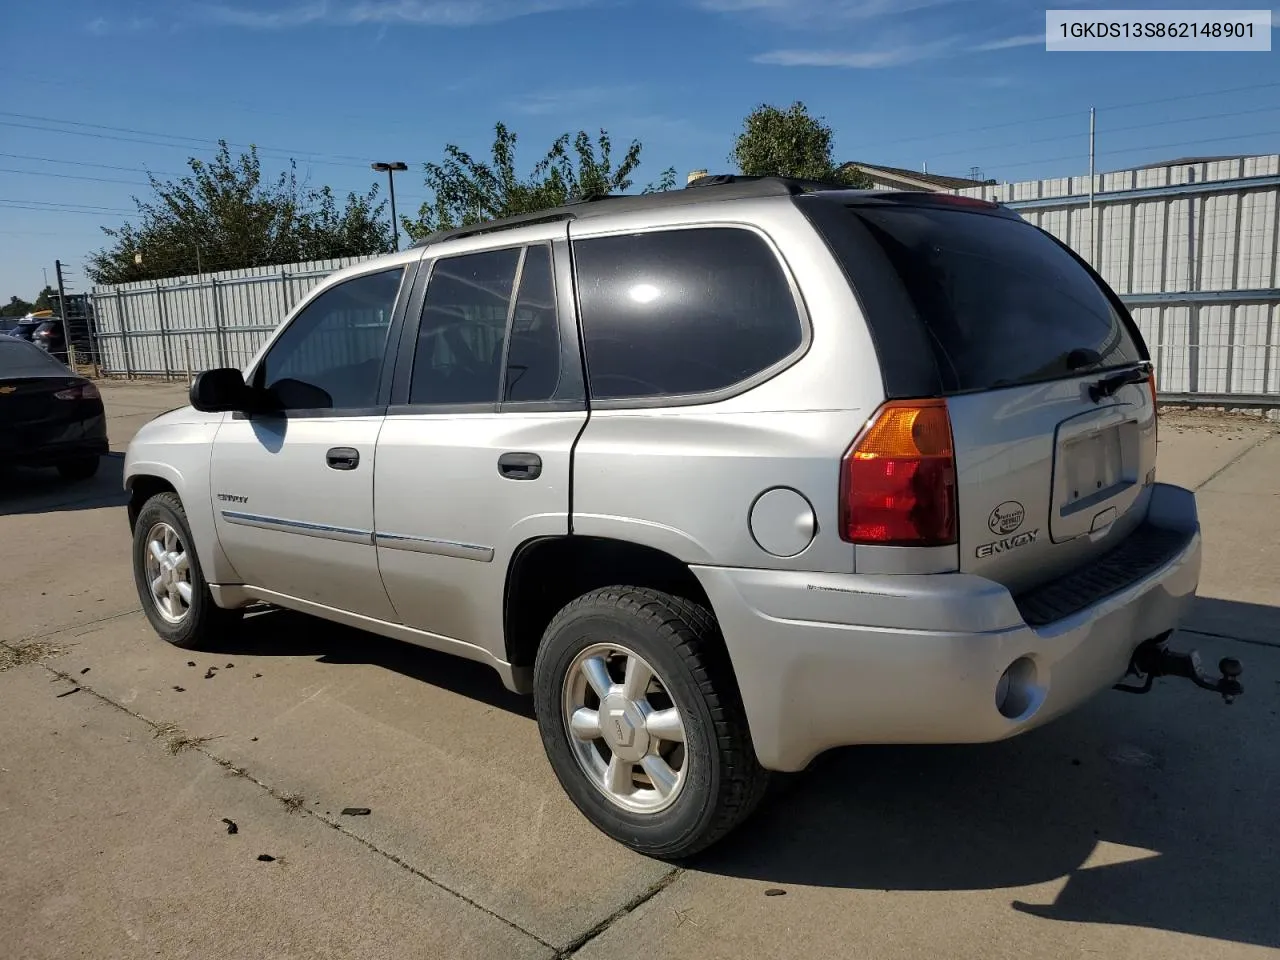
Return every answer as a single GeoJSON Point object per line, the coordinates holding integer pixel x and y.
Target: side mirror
{"type": "Point", "coordinates": [220, 390]}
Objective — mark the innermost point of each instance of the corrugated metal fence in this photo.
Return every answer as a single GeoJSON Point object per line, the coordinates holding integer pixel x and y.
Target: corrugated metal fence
{"type": "Point", "coordinates": [1193, 250]}
{"type": "Point", "coordinates": [183, 325]}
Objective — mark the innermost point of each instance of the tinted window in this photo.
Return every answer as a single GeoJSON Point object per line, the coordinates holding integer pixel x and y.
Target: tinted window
{"type": "Point", "coordinates": [681, 311]}
{"type": "Point", "coordinates": [331, 354]}
{"type": "Point", "coordinates": [533, 358]}
{"type": "Point", "coordinates": [1003, 303]}
{"type": "Point", "coordinates": [458, 358]}
{"type": "Point", "coordinates": [20, 359]}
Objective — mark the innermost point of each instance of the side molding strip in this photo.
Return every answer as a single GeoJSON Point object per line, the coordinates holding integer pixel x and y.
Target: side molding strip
{"type": "Point", "coordinates": [443, 548]}
{"type": "Point", "coordinates": [321, 530]}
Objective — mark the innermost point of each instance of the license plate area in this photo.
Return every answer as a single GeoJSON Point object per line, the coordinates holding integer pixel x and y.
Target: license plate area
{"type": "Point", "coordinates": [1096, 473]}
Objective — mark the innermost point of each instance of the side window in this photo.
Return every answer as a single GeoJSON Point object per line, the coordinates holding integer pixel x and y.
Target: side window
{"type": "Point", "coordinates": [458, 358]}
{"type": "Point", "coordinates": [681, 311]}
{"type": "Point", "coordinates": [331, 355]}
{"type": "Point", "coordinates": [533, 358]}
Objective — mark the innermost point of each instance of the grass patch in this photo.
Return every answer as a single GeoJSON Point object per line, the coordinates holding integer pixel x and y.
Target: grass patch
{"type": "Point", "coordinates": [176, 739]}
{"type": "Point", "coordinates": [31, 652]}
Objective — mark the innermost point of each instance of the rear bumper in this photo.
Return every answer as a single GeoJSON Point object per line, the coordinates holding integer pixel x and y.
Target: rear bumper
{"type": "Point", "coordinates": [827, 660]}
{"type": "Point", "coordinates": [49, 444]}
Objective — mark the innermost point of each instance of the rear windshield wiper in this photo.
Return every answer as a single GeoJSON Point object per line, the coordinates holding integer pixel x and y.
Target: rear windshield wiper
{"type": "Point", "coordinates": [1108, 385]}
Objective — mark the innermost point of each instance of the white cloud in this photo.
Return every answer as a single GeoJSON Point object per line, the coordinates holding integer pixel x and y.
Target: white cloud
{"type": "Point", "coordinates": [856, 59]}
{"type": "Point", "coordinates": [1006, 43]}
{"type": "Point", "coordinates": [429, 13]}
{"type": "Point", "coordinates": [101, 26]}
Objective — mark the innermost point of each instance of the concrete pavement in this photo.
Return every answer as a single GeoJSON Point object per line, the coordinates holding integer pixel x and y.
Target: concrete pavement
{"type": "Point", "coordinates": [1137, 826]}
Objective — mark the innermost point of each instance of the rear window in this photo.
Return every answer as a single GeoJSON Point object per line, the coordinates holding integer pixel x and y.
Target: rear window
{"type": "Point", "coordinates": [1003, 303]}
{"type": "Point", "coordinates": [20, 359]}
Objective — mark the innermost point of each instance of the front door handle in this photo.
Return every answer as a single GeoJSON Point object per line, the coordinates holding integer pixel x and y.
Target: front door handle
{"type": "Point", "coordinates": [520, 466]}
{"type": "Point", "coordinates": [343, 458]}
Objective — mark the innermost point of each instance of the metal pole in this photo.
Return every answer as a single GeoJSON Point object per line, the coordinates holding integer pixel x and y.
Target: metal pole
{"type": "Point", "coordinates": [1092, 233]}
{"type": "Point", "coordinates": [395, 224]}
{"type": "Point", "coordinates": [164, 332]}
{"type": "Point", "coordinates": [62, 307]}
{"type": "Point", "coordinates": [217, 322]}
{"type": "Point", "coordinates": [1193, 309]}
{"type": "Point", "coordinates": [124, 334]}
{"type": "Point", "coordinates": [187, 347]}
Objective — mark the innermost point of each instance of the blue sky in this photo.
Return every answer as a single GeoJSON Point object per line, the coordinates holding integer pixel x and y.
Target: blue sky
{"type": "Point", "coordinates": [94, 92]}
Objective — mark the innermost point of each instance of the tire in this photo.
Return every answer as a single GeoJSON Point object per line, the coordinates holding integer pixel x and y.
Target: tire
{"type": "Point", "coordinates": [719, 781]}
{"type": "Point", "coordinates": [195, 623]}
{"type": "Point", "coordinates": [82, 468]}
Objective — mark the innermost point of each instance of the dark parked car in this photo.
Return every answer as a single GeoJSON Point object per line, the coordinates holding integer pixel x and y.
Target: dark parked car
{"type": "Point", "coordinates": [24, 328]}
{"type": "Point", "coordinates": [49, 337]}
{"type": "Point", "coordinates": [48, 415]}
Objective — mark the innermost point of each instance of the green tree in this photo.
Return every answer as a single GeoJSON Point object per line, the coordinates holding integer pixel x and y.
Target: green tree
{"type": "Point", "coordinates": [466, 191]}
{"type": "Point", "coordinates": [44, 300]}
{"type": "Point", "coordinates": [225, 215]}
{"type": "Point", "coordinates": [16, 307]}
{"type": "Point", "coordinates": [789, 143]}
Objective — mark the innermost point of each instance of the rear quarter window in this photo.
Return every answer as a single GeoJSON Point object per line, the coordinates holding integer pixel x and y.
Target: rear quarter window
{"type": "Point", "coordinates": [682, 312]}
{"type": "Point", "coordinates": [1002, 302]}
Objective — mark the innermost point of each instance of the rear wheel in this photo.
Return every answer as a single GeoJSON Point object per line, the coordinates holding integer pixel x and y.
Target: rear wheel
{"type": "Point", "coordinates": [174, 594]}
{"type": "Point", "coordinates": [641, 720]}
{"type": "Point", "coordinates": [81, 468]}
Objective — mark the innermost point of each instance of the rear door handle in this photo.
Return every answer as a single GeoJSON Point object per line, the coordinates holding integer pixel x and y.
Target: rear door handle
{"type": "Point", "coordinates": [343, 458]}
{"type": "Point", "coordinates": [520, 466]}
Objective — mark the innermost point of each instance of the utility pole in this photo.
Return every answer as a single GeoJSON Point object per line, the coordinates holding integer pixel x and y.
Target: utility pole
{"type": "Point", "coordinates": [45, 271]}
{"type": "Point", "coordinates": [62, 309]}
{"type": "Point", "coordinates": [390, 170]}
{"type": "Point", "coordinates": [1093, 233]}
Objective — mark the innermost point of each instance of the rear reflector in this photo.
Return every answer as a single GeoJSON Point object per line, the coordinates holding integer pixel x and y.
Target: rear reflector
{"type": "Point", "coordinates": [898, 480]}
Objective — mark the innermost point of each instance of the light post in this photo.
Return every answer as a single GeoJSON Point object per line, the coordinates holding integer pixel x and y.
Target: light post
{"type": "Point", "coordinates": [390, 170]}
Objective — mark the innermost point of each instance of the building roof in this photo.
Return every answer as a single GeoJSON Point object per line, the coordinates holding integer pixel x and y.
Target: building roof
{"type": "Point", "coordinates": [934, 180]}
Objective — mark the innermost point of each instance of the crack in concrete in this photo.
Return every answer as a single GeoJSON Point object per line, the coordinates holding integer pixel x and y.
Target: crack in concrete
{"type": "Point", "coordinates": [1274, 644]}
{"type": "Point", "coordinates": [283, 797]}
{"type": "Point", "coordinates": [1233, 461]}
{"type": "Point", "coordinates": [629, 907]}
{"type": "Point", "coordinates": [75, 626]}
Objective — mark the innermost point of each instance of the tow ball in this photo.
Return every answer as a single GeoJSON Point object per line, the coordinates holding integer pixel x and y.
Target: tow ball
{"type": "Point", "coordinates": [1153, 658]}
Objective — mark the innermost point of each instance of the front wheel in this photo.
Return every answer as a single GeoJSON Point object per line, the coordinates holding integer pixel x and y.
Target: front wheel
{"type": "Point", "coordinates": [171, 586]}
{"type": "Point", "coordinates": [641, 720]}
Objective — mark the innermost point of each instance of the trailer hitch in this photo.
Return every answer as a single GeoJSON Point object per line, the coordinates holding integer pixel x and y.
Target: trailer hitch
{"type": "Point", "coordinates": [1153, 658]}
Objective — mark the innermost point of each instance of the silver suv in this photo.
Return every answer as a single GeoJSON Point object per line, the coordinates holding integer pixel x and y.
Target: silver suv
{"type": "Point", "coordinates": [724, 477]}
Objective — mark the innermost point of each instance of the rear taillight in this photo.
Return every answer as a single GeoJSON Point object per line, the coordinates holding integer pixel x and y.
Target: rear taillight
{"type": "Point", "coordinates": [898, 480]}
{"type": "Point", "coordinates": [84, 391]}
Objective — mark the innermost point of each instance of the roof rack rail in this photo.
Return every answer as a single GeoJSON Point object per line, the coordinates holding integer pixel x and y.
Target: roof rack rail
{"type": "Point", "coordinates": [703, 189]}
{"type": "Point", "coordinates": [492, 226]}
{"type": "Point", "coordinates": [770, 185]}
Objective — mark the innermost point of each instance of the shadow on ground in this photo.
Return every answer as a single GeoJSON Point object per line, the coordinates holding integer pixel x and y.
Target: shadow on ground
{"type": "Point", "coordinates": [272, 632]}
{"type": "Point", "coordinates": [29, 490]}
{"type": "Point", "coordinates": [1158, 811]}
{"type": "Point", "coordinates": [1154, 809]}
